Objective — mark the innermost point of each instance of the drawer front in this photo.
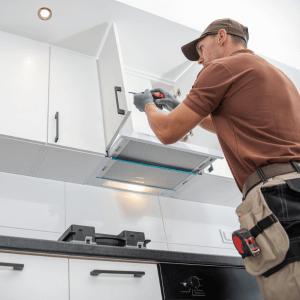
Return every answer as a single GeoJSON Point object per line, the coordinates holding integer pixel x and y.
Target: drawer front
{"type": "Point", "coordinates": [113, 286]}
{"type": "Point", "coordinates": [41, 278]}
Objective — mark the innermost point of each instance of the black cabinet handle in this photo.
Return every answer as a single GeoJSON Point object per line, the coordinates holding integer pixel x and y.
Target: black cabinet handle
{"type": "Point", "coordinates": [56, 117]}
{"type": "Point", "coordinates": [134, 273]}
{"type": "Point", "coordinates": [15, 266]}
{"type": "Point", "coordinates": [120, 111]}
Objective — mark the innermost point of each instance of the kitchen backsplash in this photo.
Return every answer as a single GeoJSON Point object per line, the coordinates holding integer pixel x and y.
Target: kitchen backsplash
{"type": "Point", "coordinates": [40, 208]}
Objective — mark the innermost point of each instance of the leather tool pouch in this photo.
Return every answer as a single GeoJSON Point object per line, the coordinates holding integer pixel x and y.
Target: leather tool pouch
{"type": "Point", "coordinates": [273, 241]}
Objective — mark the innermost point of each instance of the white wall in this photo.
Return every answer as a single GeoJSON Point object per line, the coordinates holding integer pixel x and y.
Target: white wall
{"type": "Point", "coordinates": [41, 208]}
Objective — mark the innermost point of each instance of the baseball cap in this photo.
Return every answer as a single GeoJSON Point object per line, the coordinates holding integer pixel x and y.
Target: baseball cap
{"type": "Point", "coordinates": [231, 27]}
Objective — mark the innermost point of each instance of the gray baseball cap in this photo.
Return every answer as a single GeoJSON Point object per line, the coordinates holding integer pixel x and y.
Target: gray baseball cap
{"type": "Point", "coordinates": [231, 27]}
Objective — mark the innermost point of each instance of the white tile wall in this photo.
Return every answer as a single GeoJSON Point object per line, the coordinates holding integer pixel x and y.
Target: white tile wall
{"type": "Point", "coordinates": [157, 246]}
{"type": "Point", "coordinates": [214, 190]}
{"type": "Point", "coordinates": [112, 211]}
{"type": "Point", "coordinates": [31, 234]}
{"type": "Point", "coordinates": [198, 224]}
{"type": "Point", "coordinates": [40, 208]}
{"type": "Point", "coordinates": [31, 203]}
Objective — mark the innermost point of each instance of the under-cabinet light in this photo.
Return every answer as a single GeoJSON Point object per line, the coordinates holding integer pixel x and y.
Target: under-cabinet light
{"type": "Point", "coordinates": [132, 187]}
{"type": "Point", "coordinates": [44, 13]}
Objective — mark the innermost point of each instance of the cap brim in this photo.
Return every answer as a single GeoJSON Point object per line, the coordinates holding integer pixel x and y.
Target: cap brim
{"type": "Point", "coordinates": [189, 50]}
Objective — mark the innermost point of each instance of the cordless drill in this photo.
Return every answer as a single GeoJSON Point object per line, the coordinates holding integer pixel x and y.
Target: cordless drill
{"type": "Point", "coordinates": [157, 95]}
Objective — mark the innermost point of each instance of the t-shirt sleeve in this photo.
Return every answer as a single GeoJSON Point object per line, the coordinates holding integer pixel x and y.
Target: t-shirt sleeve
{"type": "Point", "coordinates": [209, 89]}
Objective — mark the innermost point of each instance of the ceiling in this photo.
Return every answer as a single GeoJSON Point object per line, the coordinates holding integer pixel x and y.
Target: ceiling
{"type": "Point", "coordinates": [152, 33]}
{"type": "Point", "coordinates": [273, 24]}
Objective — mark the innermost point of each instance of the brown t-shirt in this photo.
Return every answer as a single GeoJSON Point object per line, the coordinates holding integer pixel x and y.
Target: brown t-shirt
{"type": "Point", "coordinates": [255, 109]}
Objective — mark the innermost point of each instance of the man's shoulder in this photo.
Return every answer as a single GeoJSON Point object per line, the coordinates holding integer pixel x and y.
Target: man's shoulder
{"type": "Point", "coordinates": [239, 61]}
{"type": "Point", "coordinates": [240, 55]}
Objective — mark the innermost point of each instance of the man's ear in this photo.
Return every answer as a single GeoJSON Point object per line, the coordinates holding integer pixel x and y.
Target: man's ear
{"type": "Point", "coordinates": [222, 36]}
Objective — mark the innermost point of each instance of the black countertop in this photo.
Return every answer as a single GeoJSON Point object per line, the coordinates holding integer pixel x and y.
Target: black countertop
{"type": "Point", "coordinates": [26, 245]}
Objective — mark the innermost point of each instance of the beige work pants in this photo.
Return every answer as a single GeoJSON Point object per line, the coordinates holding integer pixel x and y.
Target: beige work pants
{"type": "Point", "coordinates": [285, 283]}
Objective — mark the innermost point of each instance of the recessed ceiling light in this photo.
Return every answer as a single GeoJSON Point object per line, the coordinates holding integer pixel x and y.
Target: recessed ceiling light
{"type": "Point", "coordinates": [44, 13]}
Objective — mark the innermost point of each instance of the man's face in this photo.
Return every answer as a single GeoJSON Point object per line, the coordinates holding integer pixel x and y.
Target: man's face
{"type": "Point", "coordinates": [208, 50]}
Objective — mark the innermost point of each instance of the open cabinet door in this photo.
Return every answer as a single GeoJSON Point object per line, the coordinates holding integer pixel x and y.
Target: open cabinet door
{"type": "Point", "coordinates": [112, 86]}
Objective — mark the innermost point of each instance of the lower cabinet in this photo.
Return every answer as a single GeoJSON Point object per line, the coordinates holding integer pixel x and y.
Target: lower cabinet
{"type": "Point", "coordinates": [111, 284]}
{"type": "Point", "coordinates": [41, 277]}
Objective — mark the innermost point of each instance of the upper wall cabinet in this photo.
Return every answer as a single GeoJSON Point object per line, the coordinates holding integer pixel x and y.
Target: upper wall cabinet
{"type": "Point", "coordinates": [75, 112]}
{"type": "Point", "coordinates": [24, 71]}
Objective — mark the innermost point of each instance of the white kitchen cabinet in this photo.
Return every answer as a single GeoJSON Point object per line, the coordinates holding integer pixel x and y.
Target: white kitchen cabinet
{"type": "Point", "coordinates": [113, 286]}
{"type": "Point", "coordinates": [24, 70]}
{"type": "Point", "coordinates": [18, 157]}
{"type": "Point", "coordinates": [41, 278]}
{"type": "Point", "coordinates": [74, 95]}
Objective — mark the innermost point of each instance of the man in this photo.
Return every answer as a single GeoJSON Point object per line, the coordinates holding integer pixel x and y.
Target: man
{"type": "Point", "coordinates": [253, 108]}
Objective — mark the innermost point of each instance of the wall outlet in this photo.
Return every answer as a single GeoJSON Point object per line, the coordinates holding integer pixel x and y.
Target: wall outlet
{"type": "Point", "coordinates": [226, 236]}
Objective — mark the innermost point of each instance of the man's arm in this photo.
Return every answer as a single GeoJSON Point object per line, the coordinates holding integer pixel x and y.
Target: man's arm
{"type": "Point", "coordinates": [208, 125]}
{"type": "Point", "coordinates": [170, 128]}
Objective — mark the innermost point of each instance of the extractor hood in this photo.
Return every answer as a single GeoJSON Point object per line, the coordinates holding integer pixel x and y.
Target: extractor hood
{"type": "Point", "coordinates": [141, 163]}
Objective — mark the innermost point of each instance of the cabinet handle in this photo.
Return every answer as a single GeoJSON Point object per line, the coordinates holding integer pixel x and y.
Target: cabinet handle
{"type": "Point", "coordinates": [15, 266]}
{"type": "Point", "coordinates": [134, 273]}
{"type": "Point", "coordinates": [56, 117]}
{"type": "Point", "coordinates": [120, 111]}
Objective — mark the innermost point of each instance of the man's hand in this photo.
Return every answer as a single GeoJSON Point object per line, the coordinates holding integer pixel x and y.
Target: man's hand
{"type": "Point", "coordinates": [170, 128]}
{"type": "Point", "coordinates": [168, 102]}
{"type": "Point", "coordinates": [141, 100]}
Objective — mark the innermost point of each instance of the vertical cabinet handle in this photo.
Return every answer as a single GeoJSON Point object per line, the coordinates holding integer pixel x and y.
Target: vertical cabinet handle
{"type": "Point", "coordinates": [14, 266]}
{"type": "Point", "coordinates": [56, 117]}
{"type": "Point", "coordinates": [120, 111]}
{"type": "Point", "coordinates": [134, 273]}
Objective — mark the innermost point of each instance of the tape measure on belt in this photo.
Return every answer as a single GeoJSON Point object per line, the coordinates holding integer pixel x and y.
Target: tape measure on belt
{"type": "Point", "coordinates": [244, 239]}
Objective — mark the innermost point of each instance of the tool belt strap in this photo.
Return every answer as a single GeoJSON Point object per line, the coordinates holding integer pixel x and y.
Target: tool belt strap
{"type": "Point", "coordinates": [262, 174]}
{"type": "Point", "coordinates": [262, 225]}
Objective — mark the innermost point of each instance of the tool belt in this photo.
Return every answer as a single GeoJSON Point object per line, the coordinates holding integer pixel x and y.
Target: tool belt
{"type": "Point", "coordinates": [269, 218]}
{"type": "Point", "coordinates": [263, 173]}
